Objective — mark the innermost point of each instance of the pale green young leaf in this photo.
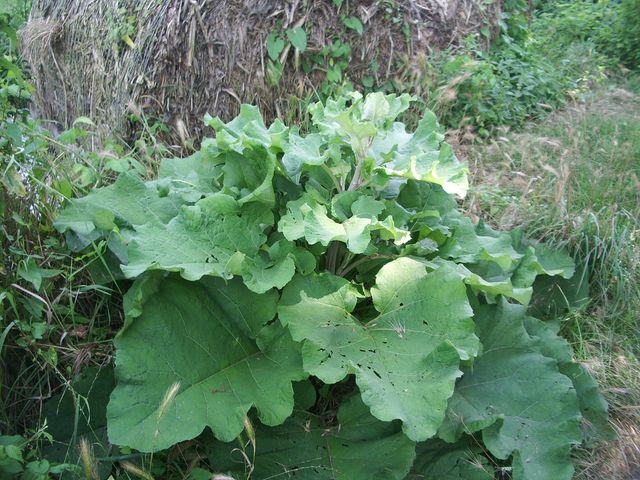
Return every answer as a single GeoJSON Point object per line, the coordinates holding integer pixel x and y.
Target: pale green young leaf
{"type": "Point", "coordinates": [303, 151]}
{"type": "Point", "coordinates": [422, 156]}
{"type": "Point", "coordinates": [307, 219]}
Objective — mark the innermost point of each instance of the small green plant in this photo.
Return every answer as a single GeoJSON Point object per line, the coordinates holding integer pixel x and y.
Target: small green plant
{"type": "Point", "coordinates": [17, 461]}
{"type": "Point", "coordinates": [329, 281]}
{"type": "Point", "coordinates": [124, 26]}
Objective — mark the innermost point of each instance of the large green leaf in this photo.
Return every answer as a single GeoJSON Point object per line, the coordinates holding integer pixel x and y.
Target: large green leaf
{"type": "Point", "coordinates": [541, 260]}
{"type": "Point", "coordinates": [358, 448]}
{"type": "Point", "coordinates": [210, 338]}
{"type": "Point", "coordinates": [405, 360]}
{"type": "Point", "coordinates": [80, 412]}
{"type": "Point", "coordinates": [492, 289]}
{"type": "Point", "coordinates": [471, 244]}
{"type": "Point", "coordinates": [594, 408]}
{"type": "Point", "coordinates": [525, 407]}
{"type": "Point", "coordinates": [463, 460]}
{"type": "Point", "coordinates": [129, 201]}
{"type": "Point", "coordinates": [217, 237]}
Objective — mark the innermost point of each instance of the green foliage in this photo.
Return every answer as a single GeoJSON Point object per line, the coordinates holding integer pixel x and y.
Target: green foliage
{"type": "Point", "coordinates": [504, 86]}
{"type": "Point", "coordinates": [612, 27]}
{"type": "Point", "coordinates": [340, 257]}
{"type": "Point", "coordinates": [586, 200]}
{"type": "Point", "coordinates": [405, 359]}
{"type": "Point", "coordinates": [538, 430]}
{"type": "Point", "coordinates": [627, 33]}
{"type": "Point", "coordinates": [305, 447]}
{"type": "Point", "coordinates": [234, 361]}
{"type": "Point", "coordinates": [17, 462]}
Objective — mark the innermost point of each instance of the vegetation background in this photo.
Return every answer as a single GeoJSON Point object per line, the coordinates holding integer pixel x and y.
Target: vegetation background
{"type": "Point", "coordinates": [548, 118]}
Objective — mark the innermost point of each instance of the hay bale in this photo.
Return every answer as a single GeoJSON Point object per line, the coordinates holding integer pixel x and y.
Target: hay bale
{"type": "Point", "coordinates": [179, 59]}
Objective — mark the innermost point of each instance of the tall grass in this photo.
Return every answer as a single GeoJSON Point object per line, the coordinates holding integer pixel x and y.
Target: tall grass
{"type": "Point", "coordinates": [573, 181]}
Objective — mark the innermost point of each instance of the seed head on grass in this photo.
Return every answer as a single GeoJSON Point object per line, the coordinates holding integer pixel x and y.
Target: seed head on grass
{"type": "Point", "coordinates": [167, 400]}
{"type": "Point", "coordinates": [88, 460]}
{"type": "Point", "coordinates": [136, 470]}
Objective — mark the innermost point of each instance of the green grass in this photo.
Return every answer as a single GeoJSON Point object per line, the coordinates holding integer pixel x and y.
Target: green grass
{"type": "Point", "coordinates": [573, 181]}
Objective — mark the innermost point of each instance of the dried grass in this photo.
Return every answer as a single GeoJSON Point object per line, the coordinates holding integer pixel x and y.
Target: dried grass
{"type": "Point", "coordinates": [620, 459]}
{"type": "Point", "coordinates": [197, 56]}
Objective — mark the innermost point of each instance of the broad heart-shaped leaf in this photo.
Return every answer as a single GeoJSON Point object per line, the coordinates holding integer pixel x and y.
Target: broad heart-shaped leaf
{"type": "Point", "coordinates": [298, 38]}
{"type": "Point", "coordinates": [525, 407]}
{"type": "Point", "coordinates": [215, 237]}
{"type": "Point", "coordinates": [129, 201]}
{"type": "Point", "coordinates": [406, 359]}
{"type": "Point", "coordinates": [209, 337]}
{"type": "Point", "coordinates": [463, 460]}
{"type": "Point", "coordinates": [594, 408]}
{"type": "Point", "coordinates": [358, 448]}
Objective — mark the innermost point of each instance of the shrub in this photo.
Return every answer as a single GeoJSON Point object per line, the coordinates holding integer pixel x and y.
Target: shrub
{"type": "Point", "coordinates": [329, 281]}
{"type": "Point", "coordinates": [628, 33]}
{"type": "Point", "coordinates": [505, 86]}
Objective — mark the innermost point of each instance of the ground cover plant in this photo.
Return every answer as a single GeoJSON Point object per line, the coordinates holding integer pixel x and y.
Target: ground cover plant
{"type": "Point", "coordinates": [320, 301]}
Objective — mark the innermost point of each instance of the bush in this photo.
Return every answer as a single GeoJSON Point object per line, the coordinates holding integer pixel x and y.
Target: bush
{"type": "Point", "coordinates": [628, 33]}
{"type": "Point", "coordinates": [613, 27]}
{"type": "Point", "coordinates": [505, 86]}
{"type": "Point", "coordinates": [329, 281]}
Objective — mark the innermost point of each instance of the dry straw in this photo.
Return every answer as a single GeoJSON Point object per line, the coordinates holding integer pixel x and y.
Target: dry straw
{"type": "Point", "coordinates": [184, 58]}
